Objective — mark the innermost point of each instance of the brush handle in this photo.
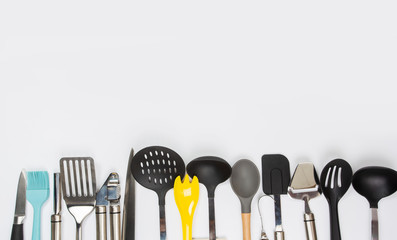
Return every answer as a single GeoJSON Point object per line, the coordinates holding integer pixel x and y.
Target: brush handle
{"type": "Point", "coordinates": [17, 232]}
{"type": "Point", "coordinates": [36, 222]}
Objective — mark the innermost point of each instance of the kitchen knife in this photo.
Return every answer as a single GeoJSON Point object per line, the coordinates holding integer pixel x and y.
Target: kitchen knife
{"type": "Point", "coordinates": [19, 216]}
{"type": "Point", "coordinates": [128, 229]}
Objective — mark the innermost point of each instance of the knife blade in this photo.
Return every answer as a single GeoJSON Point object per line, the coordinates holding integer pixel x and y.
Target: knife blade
{"type": "Point", "coordinates": [128, 225]}
{"type": "Point", "coordinates": [20, 205]}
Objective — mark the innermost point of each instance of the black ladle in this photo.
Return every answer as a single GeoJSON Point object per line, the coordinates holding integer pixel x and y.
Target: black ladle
{"type": "Point", "coordinates": [335, 179]}
{"type": "Point", "coordinates": [375, 183]}
{"type": "Point", "coordinates": [210, 171]}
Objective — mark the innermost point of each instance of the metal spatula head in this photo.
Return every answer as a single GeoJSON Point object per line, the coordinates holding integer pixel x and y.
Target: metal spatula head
{"type": "Point", "coordinates": [79, 188]}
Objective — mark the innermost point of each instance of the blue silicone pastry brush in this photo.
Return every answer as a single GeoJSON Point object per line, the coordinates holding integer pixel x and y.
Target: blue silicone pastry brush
{"type": "Point", "coordinates": [37, 192]}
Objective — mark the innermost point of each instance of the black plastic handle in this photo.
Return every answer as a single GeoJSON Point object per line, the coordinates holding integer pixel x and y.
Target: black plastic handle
{"type": "Point", "coordinates": [335, 228]}
{"type": "Point", "coordinates": [17, 232]}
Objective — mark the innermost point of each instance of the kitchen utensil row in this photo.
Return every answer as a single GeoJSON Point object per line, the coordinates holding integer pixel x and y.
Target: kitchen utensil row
{"type": "Point", "coordinates": [160, 169]}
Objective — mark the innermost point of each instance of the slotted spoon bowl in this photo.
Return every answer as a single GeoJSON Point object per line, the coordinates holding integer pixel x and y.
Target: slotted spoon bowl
{"type": "Point", "coordinates": [156, 168]}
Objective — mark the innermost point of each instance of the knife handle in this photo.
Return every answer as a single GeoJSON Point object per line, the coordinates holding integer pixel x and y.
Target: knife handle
{"type": "Point", "coordinates": [17, 232]}
{"type": "Point", "coordinates": [101, 231]}
{"type": "Point", "coordinates": [115, 220]}
{"type": "Point", "coordinates": [56, 227]}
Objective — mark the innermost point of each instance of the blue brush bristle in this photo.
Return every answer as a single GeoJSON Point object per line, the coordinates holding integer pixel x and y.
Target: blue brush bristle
{"type": "Point", "coordinates": [38, 180]}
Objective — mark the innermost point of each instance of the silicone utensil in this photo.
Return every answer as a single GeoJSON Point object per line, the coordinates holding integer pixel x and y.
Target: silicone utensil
{"type": "Point", "coordinates": [245, 182]}
{"type": "Point", "coordinates": [210, 171]}
{"type": "Point", "coordinates": [186, 195]}
{"type": "Point", "coordinates": [335, 179]}
{"type": "Point", "coordinates": [375, 183]}
{"type": "Point", "coordinates": [37, 192]}
{"type": "Point", "coordinates": [275, 180]}
{"type": "Point", "coordinates": [156, 168]}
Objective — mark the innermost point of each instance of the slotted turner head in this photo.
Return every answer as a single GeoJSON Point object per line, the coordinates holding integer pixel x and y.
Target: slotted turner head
{"type": "Point", "coordinates": [156, 168]}
{"type": "Point", "coordinates": [78, 186]}
{"type": "Point", "coordinates": [336, 179]}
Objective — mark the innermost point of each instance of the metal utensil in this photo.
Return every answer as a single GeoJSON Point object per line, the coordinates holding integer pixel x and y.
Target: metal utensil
{"type": "Point", "coordinates": [245, 181]}
{"type": "Point", "coordinates": [335, 179]}
{"type": "Point", "coordinates": [275, 180]}
{"type": "Point", "coordinates": [20, 206]}
{"type": "Point", "coordinates": [128, 228]}
{"type": "Point", "coordinates": [78, 187]}
{"type": "Point", "coordinates": [375, 183]}
{"type": "Point", "coordinates": [210, 171]}
{"type": "Point", "coordinates": [305, 186]}
{"type": "Point", "coordinates": [156, 168]}
{"type": "Point", "coordinates": [56, 218]}
{"type": "Point", "coordinates": [109, 193]}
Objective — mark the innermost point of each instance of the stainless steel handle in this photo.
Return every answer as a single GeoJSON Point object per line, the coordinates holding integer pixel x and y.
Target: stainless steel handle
{"type": "Point", "coordinates": [279, 235]}
{"type": "Point", "coordinates": [101, 226]}
{"type": "Point", "coordinates": [115, 222]}
{"type": "Point", "coordinates": [374, 224]}
{"type": "Point", "coordinates": [56, 227]}
{"type": "Point", "coordinates": [310, 225]}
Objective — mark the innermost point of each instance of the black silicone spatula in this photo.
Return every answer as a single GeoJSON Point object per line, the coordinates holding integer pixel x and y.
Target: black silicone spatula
{"type": "Point", "coordinates": [375, 183]}
{"type": "Point", "coordinates": [335, 179]}
{"type": "Point", "coordinates": [156, 168]}
{"type": "Point", "coordinates": [275, 180]}
{"type": "Point", "coordinates": [210, 171]}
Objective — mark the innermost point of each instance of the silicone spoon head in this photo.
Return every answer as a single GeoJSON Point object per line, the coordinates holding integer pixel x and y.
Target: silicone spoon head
{"type": "Point", "coordinates": [245, 182]}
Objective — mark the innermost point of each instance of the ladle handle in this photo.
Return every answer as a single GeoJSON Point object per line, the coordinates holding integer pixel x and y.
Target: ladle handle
{"type": "Point", "coordinates": [246, 217]}
{"type": "Point", "coordinates": [310, 225]}
{"type": "Point", "coordinates": [374, 224]}
{"type": "Point", "coordinates": [211, 207]}
{"type": "Point", "coordinates": [335, 228]}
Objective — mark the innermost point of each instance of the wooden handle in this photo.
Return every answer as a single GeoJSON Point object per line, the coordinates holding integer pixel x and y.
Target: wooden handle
{"type": "Point", "coordinates": [246, 226]}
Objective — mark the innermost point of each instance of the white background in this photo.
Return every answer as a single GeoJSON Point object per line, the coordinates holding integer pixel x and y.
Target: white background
{"type": "Point", "coordinates": [313, 80]}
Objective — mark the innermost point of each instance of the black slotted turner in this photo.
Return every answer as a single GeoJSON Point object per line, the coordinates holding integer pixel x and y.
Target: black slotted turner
{"type": "Point", "coordinates": [275, 180]}
{"type": "Point", "coordinates": [156, 168]}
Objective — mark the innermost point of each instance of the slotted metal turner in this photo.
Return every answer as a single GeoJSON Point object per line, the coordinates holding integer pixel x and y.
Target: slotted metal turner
{"type": "Point", "coordinates": [79, 188]}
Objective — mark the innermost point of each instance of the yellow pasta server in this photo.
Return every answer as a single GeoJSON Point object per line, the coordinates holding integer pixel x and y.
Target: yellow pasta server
{"type": "Point", "coordinates": [186, 195]}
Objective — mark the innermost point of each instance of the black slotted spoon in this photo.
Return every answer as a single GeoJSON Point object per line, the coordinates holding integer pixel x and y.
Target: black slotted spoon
{"type": "Point", "coordinates": [156, 168]}
{"type": "Point", "coordinates": [335, 179]}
